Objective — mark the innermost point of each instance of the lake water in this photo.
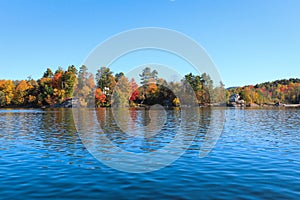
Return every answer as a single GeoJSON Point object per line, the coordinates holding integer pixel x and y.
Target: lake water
{"type": "Point", "coordinates": [256, 157]}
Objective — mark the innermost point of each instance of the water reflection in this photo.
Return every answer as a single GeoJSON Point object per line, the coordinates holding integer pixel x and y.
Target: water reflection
{"type": "Point", "coordinates": [45, 134]}
{"type": "Point", "coordinates": [118, 147]}
{"type": "Point", "coordinates": [155, 136]}
{"type": "Point", "coordinates": [163, 133]}
{"type": "Point", "coordinates": [256, 157]}
{"type": "Point", "coordinates": [145, 127]}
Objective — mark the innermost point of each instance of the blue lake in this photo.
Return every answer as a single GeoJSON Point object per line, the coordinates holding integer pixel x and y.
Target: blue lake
{"type": "Point", "coordinates": [256, 157]}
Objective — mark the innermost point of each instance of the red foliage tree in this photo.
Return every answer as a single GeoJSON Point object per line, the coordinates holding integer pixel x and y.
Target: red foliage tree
{"type": "Point", "coordinates": [134, 89]}
{"type": "Point", "coordinates": [100, 97]}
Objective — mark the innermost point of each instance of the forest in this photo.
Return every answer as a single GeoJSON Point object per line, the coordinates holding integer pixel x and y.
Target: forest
{"type": "Point", "coordinates": [286, 91]}
{"type": "Point", "coordinates": [107, 88]}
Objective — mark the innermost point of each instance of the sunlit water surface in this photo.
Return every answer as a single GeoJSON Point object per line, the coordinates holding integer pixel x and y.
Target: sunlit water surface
{"type": "Point", "coordinates": [257, 156]}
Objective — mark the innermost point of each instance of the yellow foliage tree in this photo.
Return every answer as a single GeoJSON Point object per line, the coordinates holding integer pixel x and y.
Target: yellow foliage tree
{"type": "Point", "coordinates": [7, 87]}
{"type": "Point", "coordinates": [21, 92]}
{"type": "Point", "coordinates": [176, 102]}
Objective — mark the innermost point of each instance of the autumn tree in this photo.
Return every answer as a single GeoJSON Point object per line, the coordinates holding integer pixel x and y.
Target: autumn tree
{"type": "Point", "coordinates": [69, 80]}
{"type": "Point", "coordinates": [122, 93]}
{"type": "Point", "coordinates": [106, 82]}
{"type": "Point", "coordinates": [100, 98]}
{"type": "Point", "coordinates": [21, 92]}
{"type": "Point", "coordinates": [85, 87]}
{"type": "Point", "coordinates": [2, 99]}
{"type": "Point", "coordinates": [45, 91]}
{"type": "Point", "coordinates": [148, 81]}
{"type": "Point", "coordinates": [219, 93]}
{"type": "Point", "coordinates": [134, 90]}
{"type": "Point", "coordinates": [57, 80]}
{"type": "Point", "coordinates": [33, 92]}
{"type": "Point", "coordinates": [192, 84]}
{"type": "Point", "coordinates": [208, 92]}
{"type": "Point", "coordinates": [7, 87]}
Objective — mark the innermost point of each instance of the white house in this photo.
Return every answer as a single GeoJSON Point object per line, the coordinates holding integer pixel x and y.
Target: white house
{"type": "Point", "coordinates": [234, 98]}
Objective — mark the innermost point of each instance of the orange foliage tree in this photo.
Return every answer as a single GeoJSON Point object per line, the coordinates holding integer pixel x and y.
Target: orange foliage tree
{"type": "Point", "coordinates": [100, 97]}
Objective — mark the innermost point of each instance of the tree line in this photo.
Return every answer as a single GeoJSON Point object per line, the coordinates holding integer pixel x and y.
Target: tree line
{"type": "Point", "coordinates": [279, 91]}
{"type": "Point", "coordinates": [51, 89]}
{"type": "Point", "coordinates": [117, 90]}
{"type": "Point", "coordinates": [107, 88]}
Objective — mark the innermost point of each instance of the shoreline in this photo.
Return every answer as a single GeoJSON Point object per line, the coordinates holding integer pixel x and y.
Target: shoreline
{"type": "Point", "coordinates": [295, 106]}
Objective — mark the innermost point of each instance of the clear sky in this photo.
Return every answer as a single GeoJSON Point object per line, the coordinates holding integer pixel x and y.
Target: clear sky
{"type": "Point", "coordinates": [250, 41]}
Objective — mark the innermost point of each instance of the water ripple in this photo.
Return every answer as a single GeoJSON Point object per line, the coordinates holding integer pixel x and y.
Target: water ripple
{"type": "Point", "coordinates": [257, 156]}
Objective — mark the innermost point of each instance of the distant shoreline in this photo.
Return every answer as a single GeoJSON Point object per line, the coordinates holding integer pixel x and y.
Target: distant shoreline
{"type": "Point", "coordinates": [167, 107]}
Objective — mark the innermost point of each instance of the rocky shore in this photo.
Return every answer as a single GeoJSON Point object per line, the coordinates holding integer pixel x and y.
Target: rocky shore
{"type": "Point", "coordinates": [254, 105]}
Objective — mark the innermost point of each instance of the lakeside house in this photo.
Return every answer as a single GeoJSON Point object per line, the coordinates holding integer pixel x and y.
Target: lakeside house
{"type": "Point", "coordinates": [235, 101]}
{"type": "Point", "coordinates": [234, 98]}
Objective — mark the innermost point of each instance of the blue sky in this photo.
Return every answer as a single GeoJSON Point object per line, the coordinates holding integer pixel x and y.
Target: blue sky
{"type": "Point", "coordinates": [249, 41]}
